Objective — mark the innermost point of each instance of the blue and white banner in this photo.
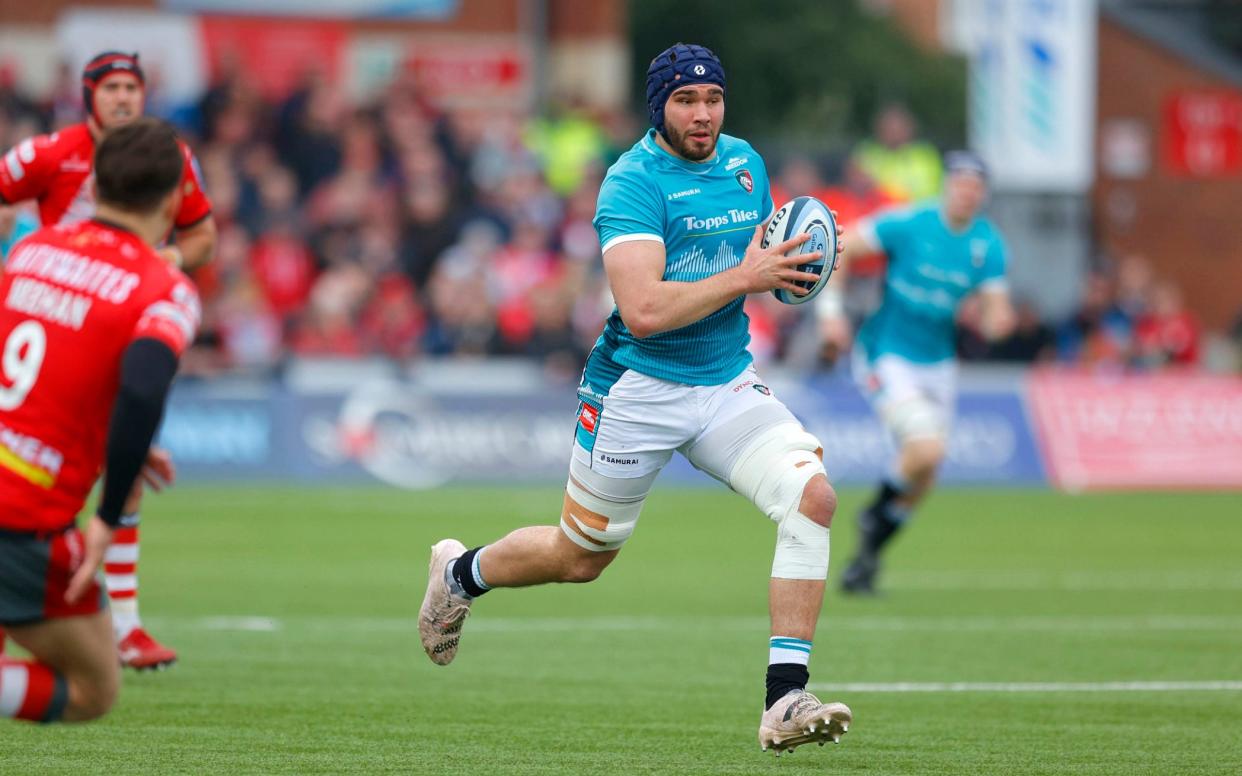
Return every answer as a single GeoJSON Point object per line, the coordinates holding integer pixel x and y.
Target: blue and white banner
{"type": "Point", "coordinates": [1032, 90]}
{"type": "Point", "coordinates": [412, 435]}
{"type": "Point", "coordinates": [338, 9]}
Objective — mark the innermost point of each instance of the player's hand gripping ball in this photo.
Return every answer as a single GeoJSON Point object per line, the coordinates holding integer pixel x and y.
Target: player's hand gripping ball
{"type": "Point", "coordinates": [805, 215]}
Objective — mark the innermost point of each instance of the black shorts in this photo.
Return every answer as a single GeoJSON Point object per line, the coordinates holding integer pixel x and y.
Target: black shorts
{"type": "Point", "coordinates": [35, 569]}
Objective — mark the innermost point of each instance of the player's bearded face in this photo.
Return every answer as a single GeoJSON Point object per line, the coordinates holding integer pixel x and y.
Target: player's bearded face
{"type": "Point", "coordinates": [692, 119]}
{"type": "Point", "coordinates": [964, 195]}
{"type": "Point", "coordinates": [118, 100]}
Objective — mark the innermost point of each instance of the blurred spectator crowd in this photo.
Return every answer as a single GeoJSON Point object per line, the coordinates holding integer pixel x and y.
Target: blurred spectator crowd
{"type": "Point", "coordinates": [396, 228]}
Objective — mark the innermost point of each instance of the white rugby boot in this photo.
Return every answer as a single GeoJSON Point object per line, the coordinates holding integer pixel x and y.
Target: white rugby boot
{"type": "Point", "coordinates": [799, 718]}
{"type": "Point", "coordinates": [443, 613]}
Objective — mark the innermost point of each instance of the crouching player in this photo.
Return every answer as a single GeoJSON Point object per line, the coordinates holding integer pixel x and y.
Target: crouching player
{"type": "Point", "coordinates": [679, 218]}
{"type": "Point", "coordinates": [92, 324]}
{"type": "Point", "coordinates": [56, 171]}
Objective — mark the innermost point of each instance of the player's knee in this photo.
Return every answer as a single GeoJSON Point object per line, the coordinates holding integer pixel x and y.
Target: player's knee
{"type": "Point", "coordinates": [819, 501]}
{"type": "Point", "coordinates": [92, 697]}
{"type": "Point", "coordinates": [775, 471]}
{"type": "Point", "coordinates": [586, 567]}
{"type": "Point", "coordinates": [924, 456]}
{"type": "Point", "coordinates": [801, 547]}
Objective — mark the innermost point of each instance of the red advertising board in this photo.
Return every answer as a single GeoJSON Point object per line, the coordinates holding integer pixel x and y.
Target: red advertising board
{"type": "Point", "coordinates": [1202, 134]}
{"type": "Point", "coordinates": [274, 54]}
{"type": "Point", "coordinates": [1160, 431]}
{"type": "Point", "coordinates": [466, 71]}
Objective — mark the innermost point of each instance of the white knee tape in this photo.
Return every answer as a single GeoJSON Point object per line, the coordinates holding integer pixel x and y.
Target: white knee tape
{"type": "Point", "coordinates": [801, 549]}
{"type": "Point", "coordinates": [596, 523]}
{"type": "Point", "coordinates": [915, 418]}
{"type": "Point", "coordinates": [772, 473]}
{"type": "Point", "coordinates": [775, 468]}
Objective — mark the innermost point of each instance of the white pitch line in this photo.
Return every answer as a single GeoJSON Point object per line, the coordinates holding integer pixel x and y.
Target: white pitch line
{"type": "Point", "coordinates": [254, 624]}
{"type": "Point", "coordinates": [1077, 624]}
{"type": "Point", "coordinates": [1049, 687]}
{"type": "Point", "coordinates": [1032, 580]}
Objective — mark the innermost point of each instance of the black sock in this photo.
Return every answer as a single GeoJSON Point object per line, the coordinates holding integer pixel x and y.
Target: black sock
{"type": "Point", "coordinates": [783, 677]}
{"type": "Point", "coordinates": [463, 572]}
{"type": "Point", "coordinates": [886, 495]}
{"type": "Point", "coordinates": [878, 523]}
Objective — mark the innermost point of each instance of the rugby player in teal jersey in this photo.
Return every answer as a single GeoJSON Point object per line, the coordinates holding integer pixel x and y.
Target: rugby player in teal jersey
{"type": "Point", "coordinates": [680, 217]}
{"type": "Point", "coordinates": [904, 360]}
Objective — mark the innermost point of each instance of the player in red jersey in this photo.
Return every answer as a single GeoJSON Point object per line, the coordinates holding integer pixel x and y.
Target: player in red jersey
{"type": "Point", "coordinates": [92, 324]}
{"type": "Point", "coordinates": [56, 170]}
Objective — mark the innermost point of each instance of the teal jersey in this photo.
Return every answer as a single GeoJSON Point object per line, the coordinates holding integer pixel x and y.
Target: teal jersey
{"type": "Point", "coordinates": [24, 224]}
{"type": "Point", "coordinates": [705, 214]}
{"type": "Point", "coordinates": [930, 270]}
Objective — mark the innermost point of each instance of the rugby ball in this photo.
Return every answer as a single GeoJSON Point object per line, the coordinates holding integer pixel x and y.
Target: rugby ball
{"type": "Point", "coordinates": [805, 215]}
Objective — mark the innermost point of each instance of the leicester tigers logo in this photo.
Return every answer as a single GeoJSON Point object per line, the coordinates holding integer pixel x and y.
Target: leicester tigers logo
{"type": "Point", "coordinates": [744, 180]}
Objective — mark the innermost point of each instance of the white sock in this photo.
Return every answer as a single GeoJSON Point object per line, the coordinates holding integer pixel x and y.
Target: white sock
{"type": "Point", "coordinates": [121, 576]}
{"type": "Point", "coordinates": [786, 649]}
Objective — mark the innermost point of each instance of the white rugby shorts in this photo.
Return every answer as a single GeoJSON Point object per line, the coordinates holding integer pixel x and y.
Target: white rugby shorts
{"type": "Point", "coordinates": [912, 400]}
{"type": "Point", "coordinates": [644, 419]}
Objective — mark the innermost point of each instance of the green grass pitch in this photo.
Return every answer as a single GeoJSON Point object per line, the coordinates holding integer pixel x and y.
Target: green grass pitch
{"type": "Point", "coordinates": [293, 610]}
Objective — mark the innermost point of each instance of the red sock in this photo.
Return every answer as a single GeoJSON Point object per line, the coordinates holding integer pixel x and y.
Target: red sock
{"type": "Point", "coordinates": [31, 691]}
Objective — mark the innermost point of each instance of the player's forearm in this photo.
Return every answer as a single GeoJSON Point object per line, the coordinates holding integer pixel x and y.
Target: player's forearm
{"type": "Point", "coordinates": [997, 319]}
{"type": "Point", "coordinates": [146, 373]}
{"type": "Point", "coordinates": [197, 244]}
{"type": "Point", "coordinates": [669, 305]}
{"type": "Point", "coordinates": [830, 304]}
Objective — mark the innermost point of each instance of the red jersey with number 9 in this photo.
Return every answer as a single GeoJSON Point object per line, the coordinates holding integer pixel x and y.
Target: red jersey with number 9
{"type": "Point", "coordinates": [72, 299]}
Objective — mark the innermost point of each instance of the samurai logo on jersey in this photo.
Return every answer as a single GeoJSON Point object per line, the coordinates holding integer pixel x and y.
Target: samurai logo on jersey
{"type": "Point", "coordinates": [686, 193]}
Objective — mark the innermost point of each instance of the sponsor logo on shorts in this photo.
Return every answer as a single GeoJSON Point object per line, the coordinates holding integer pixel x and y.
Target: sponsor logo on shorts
{"type": "Point", "coordinates": [622, 461]}
{"type": "Point", "coordinates": [745, 181]}
{"type": "Point", "coordinates": [588, 418]}
{"type": "Point", "coordinates": [763, 389]}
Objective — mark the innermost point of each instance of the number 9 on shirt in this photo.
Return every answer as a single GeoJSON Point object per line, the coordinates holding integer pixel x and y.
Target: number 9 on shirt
{"type": "Point", "coordinates": [810, 216]}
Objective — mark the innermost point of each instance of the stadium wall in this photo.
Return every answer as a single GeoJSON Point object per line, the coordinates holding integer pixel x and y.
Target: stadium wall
{"type": "Point", "coordinates": [513, 53]}
{"type": "Point", "coordinates": [505, 423]}
{"type": "Point", "coordinates": [1170, 162]}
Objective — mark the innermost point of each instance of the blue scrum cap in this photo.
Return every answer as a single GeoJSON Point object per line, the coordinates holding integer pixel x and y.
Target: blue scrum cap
{"type": "Point", "coordinates": [965, 161]}
{"type": "Point", "coordinates": [679, 65]}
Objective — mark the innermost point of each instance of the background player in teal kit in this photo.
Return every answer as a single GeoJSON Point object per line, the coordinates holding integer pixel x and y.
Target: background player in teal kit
{"type": "Point", "coordinates": [679, 218]}
{"type": "Point", "coordinates": [904, 359]}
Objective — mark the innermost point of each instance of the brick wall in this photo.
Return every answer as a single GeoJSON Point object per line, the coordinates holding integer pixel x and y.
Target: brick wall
{"type": "Point", "coordinates": [1190, 228]}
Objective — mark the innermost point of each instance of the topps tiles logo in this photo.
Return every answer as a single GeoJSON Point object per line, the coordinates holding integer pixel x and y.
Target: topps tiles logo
{"type": "Point", "coordinates": [711, 223]}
